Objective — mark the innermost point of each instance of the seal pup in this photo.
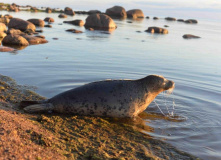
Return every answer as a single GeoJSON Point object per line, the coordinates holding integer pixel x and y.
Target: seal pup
{"type": "Point", "coordinates": [109, 98]}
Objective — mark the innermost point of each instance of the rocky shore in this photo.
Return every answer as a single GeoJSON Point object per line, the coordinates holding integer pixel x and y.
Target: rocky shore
{"type": "Point", "coordinates": [49, 136]}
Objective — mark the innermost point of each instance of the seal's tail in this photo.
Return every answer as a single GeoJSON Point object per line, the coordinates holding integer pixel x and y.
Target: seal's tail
{"type": "Point", "coordinates": [39, 108]}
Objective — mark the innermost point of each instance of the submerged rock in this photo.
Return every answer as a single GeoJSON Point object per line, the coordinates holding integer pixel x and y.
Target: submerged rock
{"type": "Point", "coordinates": [34, 39]}
{"type": "Point", "coordinates": [116, 11]}
{"type": "Point", "coordinates": [69, 11]}
{"type": "Point", "coordinates": [76, 22]}
{"type": "Point", "coordinates": [135, 13]}
{"type": "Point", "coordinates": [74, 31]}
{"type": "Point", "coordinates": [48, 26]}
{"type": "Point", "coordinates": [157, 30]}
{"type": "Point", "coordinates": [192, 21]}
{"type": "Point", "coordinates": [37, 22]}
{"type": "Point", "coordinates": [190, 36]}
{"type": "Point", "coordinates": [180, 20]}
{"type": "Point", "coordinates": [15, 40]}
{"type": "Point", "coordinates": [62, 15]}
{"type": "Point", "coordinates": [39, 31]}
{"type": "Point", "coordinates": [49, 19]}
{"type": "Point", "coordinates": [100, 22]}
{"type": "Point", "coordinates": [21, 24]}
{"type": "Point", "coordinates": [170, 19]}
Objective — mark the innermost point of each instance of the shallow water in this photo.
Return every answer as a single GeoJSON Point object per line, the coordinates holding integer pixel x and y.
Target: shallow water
{"type": "Point", "coordinates": [194, 65]}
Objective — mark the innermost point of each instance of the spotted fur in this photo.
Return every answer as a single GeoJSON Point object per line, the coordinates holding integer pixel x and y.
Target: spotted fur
{"type": "Point", "coordinates": [109, 98]}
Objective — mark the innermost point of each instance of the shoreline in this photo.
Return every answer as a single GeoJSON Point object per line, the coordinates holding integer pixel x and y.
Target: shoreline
{"type": "Point", "coordinates": [71, 136]}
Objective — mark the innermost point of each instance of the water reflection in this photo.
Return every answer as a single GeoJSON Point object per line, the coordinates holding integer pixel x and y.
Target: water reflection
{"type": "Point", "coordinates": [137, 122]}
{"type": "Point", "coordinates": [16, 47]}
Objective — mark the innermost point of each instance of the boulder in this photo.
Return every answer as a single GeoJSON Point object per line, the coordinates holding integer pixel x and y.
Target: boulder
{"type": "Point", "coordinates": [3, 27]}
{"type": "Point", "coordinates": [192, 21]}
{"type": "Point", "coordinates": [14, 31]}
{"type": "Point", "coordinates": [48, 10]}
{"type": "Point", "coordinates": [135, 13]}
{"type": "Point", "coordinates": [100, 22]}
{"type": "Point", "coordinates": [15, 40]}
{"type": "Point", "coordinates": [155, 18]}
{"type": "Point", "coordinates": [34, 39]}
{"type": "Point", "coordinates": [76, 22]}
{"type": "Point", "coordinates": [157, 30]}
{"type": "Point", "coordinates": [190, 36]}
{"type": "Point", "coordinates": [62, 16]}
{"type": "Point", "coordinates": [6, 49]}
{"type": "Point", "coordinates": [94, 11]}
{"type": "Point", "coordinates": [34, 9]}
{"type": "Point", "coordinates": [2, 34]}
{"type": "Point", "coordinates": [13, 8]}
{"type": "Point", "coordinates": [69, 11]}
{"type": "Point", "coordinates": [4, 20]}
{"type": "Point", "coordinates": [37, 22]}
{"type": "Point", "coordinates": [49, 19]}
{"type": "Point", "coordinates": [21, 24]}
{"type": "Point", "coordinates": [170, 19]}
{"type": "Point", "coordinates": [147, 17]}
{"type": "Point", "coordinates": [116, 11]}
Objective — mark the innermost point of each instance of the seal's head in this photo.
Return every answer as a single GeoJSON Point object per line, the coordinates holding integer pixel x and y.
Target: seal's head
{"type": "Point", "coordinates": [157, 84]}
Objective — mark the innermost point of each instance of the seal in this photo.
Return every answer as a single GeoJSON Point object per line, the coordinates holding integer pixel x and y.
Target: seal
{"type": "Point", "coordinates": [109, 98]}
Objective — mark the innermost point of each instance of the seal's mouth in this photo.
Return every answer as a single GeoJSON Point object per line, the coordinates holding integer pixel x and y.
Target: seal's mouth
{"type": "Point", "coordinates": [170, 85]}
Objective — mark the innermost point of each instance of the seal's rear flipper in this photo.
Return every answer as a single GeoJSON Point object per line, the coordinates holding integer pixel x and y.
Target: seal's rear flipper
{"type": "Point", "coordinates": [39, 108]}
{"type": "Point", "coordinates": [24, 104]}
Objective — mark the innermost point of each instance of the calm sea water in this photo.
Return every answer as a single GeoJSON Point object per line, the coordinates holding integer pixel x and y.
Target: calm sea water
{"type": "Point", "coordinates": [194, 65]}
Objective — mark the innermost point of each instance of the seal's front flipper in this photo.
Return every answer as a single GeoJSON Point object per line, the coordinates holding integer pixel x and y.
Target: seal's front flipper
{"type": "Point", "coordinates": [36, 108]}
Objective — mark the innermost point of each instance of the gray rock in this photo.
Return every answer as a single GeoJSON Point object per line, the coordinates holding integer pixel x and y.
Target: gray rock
{"type": "Point", "coordinates": [116, 11]}
{"type": "Point", "coordinates": [15, 40]}
{"type": "Point", "coordinates": [135, 13]}
{"type": "Point", "coordinates": [100, 22]}
{"type": "Point", "coordinates": [21, 24]}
